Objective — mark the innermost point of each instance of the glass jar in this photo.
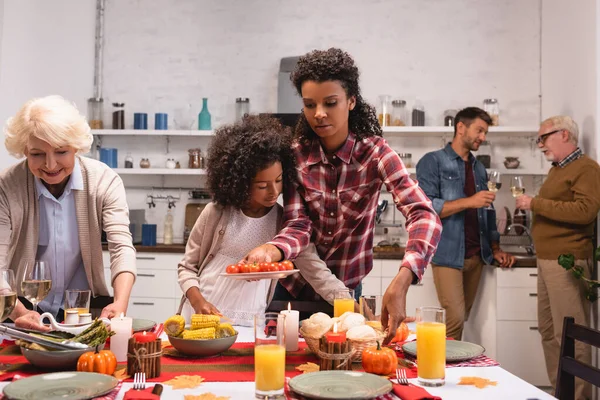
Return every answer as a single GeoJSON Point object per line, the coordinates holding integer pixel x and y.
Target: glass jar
{"type": "Point", "coordinates": [118, 116]}
{"type": "Point", "coordinates": [492, 107]}
{"type": "Point", "coordinates": [385, 110]}
{"type": "Point", "coordinates": [449, 116]}
{"type": "Point", "coordinates": [196, 160]}
{"type": "Point", "coordinates": [95, 113]}
{"type": "Point", "coordinates": [242, 108]}
{"type": "Point", "coordinates": [170, 164]}
{"type": "Point", "coordinates": [406, 159]}
{"type": "Point", "coordinates": [144, 163]}
{"type": "Point", "coordinates": [399, 113]}
{"type": "Point", "coordinates": [418, 114]}
{"type": "Point", "coordinates": [129, 161]}
{"type": "Point", "coordinates": [484, 154]}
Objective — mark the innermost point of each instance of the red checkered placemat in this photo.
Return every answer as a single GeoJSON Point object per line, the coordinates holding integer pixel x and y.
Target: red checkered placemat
{"type": "Point", "coordinates": [479, 361]}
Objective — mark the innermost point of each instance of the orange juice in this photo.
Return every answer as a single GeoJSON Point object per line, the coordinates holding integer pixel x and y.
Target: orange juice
{"type": "Point", "coordinates": [340, 306]}
{"type": "Point", "coordinates": [269, 367]}
{"type": "Point", "coordinates": [431, 350]}
{"type": "Point", "coordinates": [79, 311]}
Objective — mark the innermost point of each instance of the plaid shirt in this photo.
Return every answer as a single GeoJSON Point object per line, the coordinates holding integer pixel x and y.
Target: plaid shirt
{"type": "Point", "coordinates": [334, 206]}
{"type": "Point", "coordinates": [569, 159]}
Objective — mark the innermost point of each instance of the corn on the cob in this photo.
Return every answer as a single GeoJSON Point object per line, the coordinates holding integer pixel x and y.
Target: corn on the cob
{"type": "Point", "coordinates": [225, 330]}
{"type": "Point", "coordinates": [200, 321]}
{"type": "Point", "coordinates": [174, 325]}
{"type": "Point", "coordinates": [203, 333]}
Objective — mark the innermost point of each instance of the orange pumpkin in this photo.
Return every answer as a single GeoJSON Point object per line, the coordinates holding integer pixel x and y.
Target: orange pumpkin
{"type": "Point", "coordinates": [401, 333]}
{"type": "Point", "coordinates": [379, 360]}
{"type": "Point", "coordinates": [103, 362]}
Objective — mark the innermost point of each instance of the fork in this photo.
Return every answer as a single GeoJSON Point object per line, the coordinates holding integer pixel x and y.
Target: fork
{"type": "Point", "coordinates": [139, 381]}
{"type": "Point", "coordinates": [401, 377]}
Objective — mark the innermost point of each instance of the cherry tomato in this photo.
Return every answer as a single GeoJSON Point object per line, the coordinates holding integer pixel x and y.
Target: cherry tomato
{"type": "Point", "coordinates": [273, 267]}
{"type": "Point", "coordinates": [254, 267]}
{"type": "Point", "coordinates": [288, 265]}
{"type": "Point", "coordinates": [244, 268]}
{"type": "Point", "coordinates": [264, 266]}
{"type": "Point", "coordinates": [232, 269]}
{"type": "Point", "coordinates": [281, 266]}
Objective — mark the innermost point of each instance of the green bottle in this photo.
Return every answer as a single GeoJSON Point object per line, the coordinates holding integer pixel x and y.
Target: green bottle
{"type": "Point", "coordinates": [204, 116]}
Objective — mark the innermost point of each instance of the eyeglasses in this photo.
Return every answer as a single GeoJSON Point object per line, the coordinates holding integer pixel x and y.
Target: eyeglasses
{"type": "Point", "coordinates": [542, 138]}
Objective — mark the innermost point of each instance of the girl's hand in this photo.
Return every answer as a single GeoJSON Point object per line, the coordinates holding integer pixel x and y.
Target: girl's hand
{"type": "Point", "coordinates": [206, 308]}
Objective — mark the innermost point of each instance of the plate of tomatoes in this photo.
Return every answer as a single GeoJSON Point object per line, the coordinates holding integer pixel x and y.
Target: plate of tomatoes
{"type": "Point", "coordinates": [263, 270]}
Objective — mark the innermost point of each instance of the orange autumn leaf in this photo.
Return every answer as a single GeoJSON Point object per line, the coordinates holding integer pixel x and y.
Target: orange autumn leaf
{"type": "Point", "coordinates": [185, 382]}
{"type": "Point", "coordinates": [205, 396]}
{"type": "Point", "coordinates": [308, 367]}
{"type": "Point", "coordinates": [480, 383]}
{"type": "Point", "coordinates": [121, 374]}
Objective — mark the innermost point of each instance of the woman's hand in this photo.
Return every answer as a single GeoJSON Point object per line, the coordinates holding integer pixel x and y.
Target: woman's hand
{"type": "Point", "coordinates": [31, 320]}
{"type": "Point", "coordinates": [114, 310]}
{"type": "Point", "coordinates": [204, 307]}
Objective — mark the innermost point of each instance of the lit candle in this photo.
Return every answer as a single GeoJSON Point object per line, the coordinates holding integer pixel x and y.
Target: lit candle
{"type": "Point", "coordinates": [122, 327]}
{"type": "Point", "coordinates": [335, 336]}
{"type": "Point", "coordinates": [144, 337]}
{"type": "Point", "coordinates": [292, 318]}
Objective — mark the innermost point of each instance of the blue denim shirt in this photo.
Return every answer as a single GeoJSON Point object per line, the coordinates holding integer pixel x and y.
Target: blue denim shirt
{"type": "Point", "coordinates": [441, 175]}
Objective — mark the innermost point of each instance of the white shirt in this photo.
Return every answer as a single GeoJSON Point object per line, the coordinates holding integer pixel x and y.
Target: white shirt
{"type": "Point", "coordinates": [58, 244]}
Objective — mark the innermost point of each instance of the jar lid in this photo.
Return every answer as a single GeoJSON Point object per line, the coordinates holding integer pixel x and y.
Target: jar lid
{"type": "Point", "coordinates": [490, 101]}
{"type": "Point", "coordinates": [405, 155]}
{"type": "Point", "coordinates": [242, 100]}
{"type": "Point", "coordinates": [398, 102]}
{"type": "Point", "coordinates": [118, 104]}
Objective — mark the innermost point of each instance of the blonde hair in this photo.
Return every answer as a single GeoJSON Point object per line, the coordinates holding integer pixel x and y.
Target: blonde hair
{"type": "Point", "coordinates": [566, 123]}
{"type": "Point", "coordinates": [51, 119]}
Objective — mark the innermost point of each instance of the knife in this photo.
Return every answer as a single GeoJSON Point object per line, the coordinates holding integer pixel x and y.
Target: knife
{"type": "Point", "coordinates": [158, 388]}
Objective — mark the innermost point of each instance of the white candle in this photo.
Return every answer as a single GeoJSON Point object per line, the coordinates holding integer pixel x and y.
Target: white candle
{"type": "Point", "coordinates": [122, 327]}
{"type": "Point", "coordinates": [292, 318]}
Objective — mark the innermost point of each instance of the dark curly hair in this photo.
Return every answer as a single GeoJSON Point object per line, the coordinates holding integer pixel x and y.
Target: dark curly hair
{"type": "Point", "coordinates": [335, 65]}
{"type": "Point", "coordinates": [241, 150]}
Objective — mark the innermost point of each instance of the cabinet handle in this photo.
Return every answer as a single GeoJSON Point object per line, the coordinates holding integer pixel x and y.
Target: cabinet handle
{"type": "Point", "coordinates": [533, 328]}
{"type": "Point", "coordinates": [147, 275]}
{"type": "Point", "coordinates": [144, 258]}
{"type": "Point", "coordinates": [534, 275]}
{"type": "Point", "coordinates": [532, 294]}
{"type": "Point", "coordinates": [142, 304]}
{"type": "Point", "coordinates": [419, 284]}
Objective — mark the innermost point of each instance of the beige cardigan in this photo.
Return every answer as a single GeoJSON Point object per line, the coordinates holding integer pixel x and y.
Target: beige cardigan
{"type": "Point", "coordinates": [205, 241]}
{"type": "Point", "coordinates": [101, 205]}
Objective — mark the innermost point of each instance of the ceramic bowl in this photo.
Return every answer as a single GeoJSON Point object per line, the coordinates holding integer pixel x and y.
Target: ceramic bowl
{"type": "Point", "coordinates": [202, 347]}
{"type": "Point", "coordinates": [511, 162]}
{"type": "Point", "coordinates": [65, 360]}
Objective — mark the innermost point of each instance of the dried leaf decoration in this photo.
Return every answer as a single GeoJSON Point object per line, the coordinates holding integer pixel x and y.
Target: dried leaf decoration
{"type": "Point", "coordinates": [121, 374]}
{"type": "Point", "coordinates": [308, 367]}
{"type": "Point", "coordinates": [205, 396]}
{"type": "Point", "coordinates": [480, 383]}
{"type": "Point", "coordinates": [185, 382]}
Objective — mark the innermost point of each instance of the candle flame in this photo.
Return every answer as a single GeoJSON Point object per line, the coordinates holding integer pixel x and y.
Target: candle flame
{"type": "Point", "coordinates": [144, 333]}
{"type": "Point", "coordinates": [335, 328]}
{"type": "Point", "coordinates": [289, 306]}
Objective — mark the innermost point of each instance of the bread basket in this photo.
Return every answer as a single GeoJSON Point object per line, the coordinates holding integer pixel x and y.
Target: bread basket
{"type": "Point", "coordinates": [358, 345]}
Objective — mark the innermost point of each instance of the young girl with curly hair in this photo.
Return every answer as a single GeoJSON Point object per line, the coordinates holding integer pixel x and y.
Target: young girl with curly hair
{"type": "Point", "coordinates": [249, 164]}
{"type": "Point", "coordinates": [342, 163]}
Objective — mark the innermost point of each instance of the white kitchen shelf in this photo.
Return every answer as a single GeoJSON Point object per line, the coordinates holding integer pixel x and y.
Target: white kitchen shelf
{"type": "Point", "coordinates": [159, 171]}
{"type": "Point", "coordinates": [504, 171]}
{"type": "Point", "coordinates": [439, 131]}
{"type": "Point", "coordinates": [149, 132]}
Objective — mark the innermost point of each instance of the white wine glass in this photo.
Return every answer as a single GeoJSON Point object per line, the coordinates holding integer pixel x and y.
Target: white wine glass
{"type": "Point", "coordinates": [8, 293]}
{"type": "Point", "coordinates": [494, 184]}
{"type": "Point", "coordinates": [36, 283]}
{"type": "Point", "coordinates": [517, 189]}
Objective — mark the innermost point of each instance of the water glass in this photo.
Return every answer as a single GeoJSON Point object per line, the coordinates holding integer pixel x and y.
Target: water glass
{"type": "Point", "coordinates": [431, 346]}
{"type": "Point", "coordinates": [370, 308]}
{"type": "Point", "coordinates": [77, 300]}
{"type": "Point", "coordinates": [269, 355]}
{"type": "Point", "coordinates": [343, 301]}
{"type": "Point", "coordinates": [8, 293]}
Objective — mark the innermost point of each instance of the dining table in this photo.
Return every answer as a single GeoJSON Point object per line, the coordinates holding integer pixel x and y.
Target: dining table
{"type": "Point", "coordinates": [508, 386]}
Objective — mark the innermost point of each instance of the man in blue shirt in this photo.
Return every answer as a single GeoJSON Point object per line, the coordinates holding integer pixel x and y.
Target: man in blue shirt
{"type": "Point", "coordinates": [456, 183]}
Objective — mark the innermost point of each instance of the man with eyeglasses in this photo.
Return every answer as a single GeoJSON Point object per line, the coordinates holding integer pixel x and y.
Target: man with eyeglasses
{"type": "Point", "coordinates": [564, 213]}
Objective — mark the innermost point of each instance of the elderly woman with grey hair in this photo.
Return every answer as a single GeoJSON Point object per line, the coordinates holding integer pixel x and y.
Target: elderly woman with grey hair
{"type": "Point", "coordinates": [54, 206]}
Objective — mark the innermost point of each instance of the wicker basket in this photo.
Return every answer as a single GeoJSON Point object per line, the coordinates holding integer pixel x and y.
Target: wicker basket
{"type": "Point", "coordinates": [358, 345]}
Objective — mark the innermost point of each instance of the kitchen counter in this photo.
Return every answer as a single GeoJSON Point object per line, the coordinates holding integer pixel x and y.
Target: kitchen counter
{"type": "Point", "coordinates": [159, 248]}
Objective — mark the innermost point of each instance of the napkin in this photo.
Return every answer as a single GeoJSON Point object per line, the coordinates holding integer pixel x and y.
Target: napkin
{"type": "Point", "coordinates": [146, 394]}
{"type": "Point", "coordinates": [412, 392]}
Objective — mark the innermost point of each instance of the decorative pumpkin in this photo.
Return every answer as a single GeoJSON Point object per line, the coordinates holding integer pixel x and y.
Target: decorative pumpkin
{"type": "Point", "coordinates": [401, 333]}
{"type": "Point", "coordinates": [379, 360]}
{"type": "Point", "coordinates": [103, 362]}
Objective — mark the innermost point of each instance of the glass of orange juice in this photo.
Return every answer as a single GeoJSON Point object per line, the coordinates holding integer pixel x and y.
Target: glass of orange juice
{"type": "Point", "coordinates": [370, 308]}
{"type": "Point", "coordinates": [431, 346]}
{"type": "Point", "coordinates": [343, 301]}
{"type": "Point", "coordinates": [78, 300]}
{"type": "Point", "coordinates": [269, 355]}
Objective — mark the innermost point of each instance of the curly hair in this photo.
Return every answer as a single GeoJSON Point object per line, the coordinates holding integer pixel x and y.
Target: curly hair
{"type": "Point", "coordinates": [335, 65]}
{"type": "Point", "coordinates": [241, 150]}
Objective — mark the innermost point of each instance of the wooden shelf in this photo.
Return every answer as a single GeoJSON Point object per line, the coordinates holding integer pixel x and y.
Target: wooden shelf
{"type": "Point", "coordinates": [149, 132]}
{"type": "Point", "coordinates": [439, 131]}
{"type": "Point", "coordinates": [159, 171]}
{"type": "Point", "coordinates": [504, 171]}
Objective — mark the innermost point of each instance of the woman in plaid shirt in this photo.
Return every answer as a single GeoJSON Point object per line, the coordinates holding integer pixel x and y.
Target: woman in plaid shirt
{"type": "Point", "coordinates": [342, 162]}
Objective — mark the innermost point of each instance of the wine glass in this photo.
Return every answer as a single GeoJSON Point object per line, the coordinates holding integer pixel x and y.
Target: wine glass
{"type": "Point", "coordinates": [493, 184]}
{"type": "Point", "coordinates": [517, 189]}
{"type": "Point", "coordinates": [8, 293]}
{"type": "Point", "coordinates": [37, 282]}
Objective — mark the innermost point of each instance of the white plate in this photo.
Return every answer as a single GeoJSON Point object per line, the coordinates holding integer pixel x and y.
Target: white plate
{"type": "Point", "coordinates": [260, 275]}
